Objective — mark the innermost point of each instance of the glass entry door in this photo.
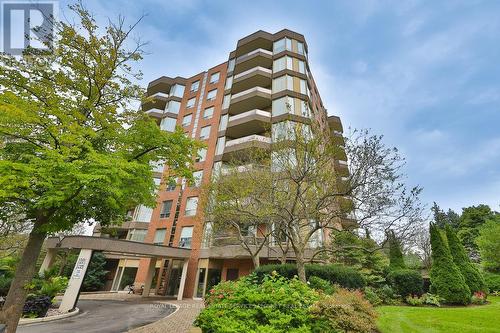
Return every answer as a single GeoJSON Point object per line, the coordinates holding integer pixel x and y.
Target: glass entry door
{"type": "Point", "coordinates": [174, 279]}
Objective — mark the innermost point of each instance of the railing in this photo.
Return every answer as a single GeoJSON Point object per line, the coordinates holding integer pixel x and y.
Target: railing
{"type": "Point", "coordinates": [254, 69]}
{"type": "Point", "coordinates": [159, 94]}
{"type": "Point", "coordinates": [241, 57]}
{"type": "Point", "coordinates": [253, 137]}
{"type": "Point", "coordinates": [250, 113]}
{"type": "Point", "coordinates": [251, 90]}
{"type": "Point", "coordinates": [155, 111]}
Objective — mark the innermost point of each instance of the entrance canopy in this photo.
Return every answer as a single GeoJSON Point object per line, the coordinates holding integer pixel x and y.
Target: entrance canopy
{"type": "Point", "coordinates": [118, 246]}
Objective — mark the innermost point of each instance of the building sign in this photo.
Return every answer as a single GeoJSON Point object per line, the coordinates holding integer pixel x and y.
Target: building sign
{"type": "Point", "coordinates": [79, 268]}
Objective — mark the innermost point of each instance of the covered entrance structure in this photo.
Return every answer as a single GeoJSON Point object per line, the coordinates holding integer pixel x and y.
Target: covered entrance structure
{"type": "Point", "coordinates": [88, 244]}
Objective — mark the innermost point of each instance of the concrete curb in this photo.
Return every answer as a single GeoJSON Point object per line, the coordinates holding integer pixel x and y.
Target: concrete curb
{"type": "Point", "coordinates": [26, 321]}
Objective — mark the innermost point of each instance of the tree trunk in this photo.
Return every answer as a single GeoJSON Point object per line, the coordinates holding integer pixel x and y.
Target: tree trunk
{"type": "Point", "coordinates": [256, 260]}
{"type": "Point", "coordinates": [301, 270]}
{"type": "Point", "coordinates": [14, 303]}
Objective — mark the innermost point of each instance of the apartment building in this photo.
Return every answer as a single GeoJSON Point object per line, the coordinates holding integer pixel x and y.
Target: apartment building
{"type": "Point", "coordinates": [231, 108]}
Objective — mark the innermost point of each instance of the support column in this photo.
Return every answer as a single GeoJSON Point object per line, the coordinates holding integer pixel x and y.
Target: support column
{"type": "Point", "coordinates": [149, 277]}
{"type": "Point", "coordinates": [183, 280]}
{"type": "Point", "coordinates": [71, 295]}
{"type": "Point", "coordinates": [48, 260]}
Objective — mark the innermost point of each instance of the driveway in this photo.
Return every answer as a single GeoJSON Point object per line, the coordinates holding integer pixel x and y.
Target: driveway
{"type": "Point", "coordinates": [104, 316]}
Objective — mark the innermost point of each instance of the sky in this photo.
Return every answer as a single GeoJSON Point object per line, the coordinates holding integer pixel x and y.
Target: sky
{"type": "Point", "coordinates": [425, 74]}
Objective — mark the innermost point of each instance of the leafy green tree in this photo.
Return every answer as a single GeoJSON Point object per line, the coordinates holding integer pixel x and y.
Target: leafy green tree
{"type": "Point", "coordinates": [442, 218]}
{"type": "Point", "coordinates": [96, 274]}
{"type": "Point", "coordinates": [472, 276]}
{"type": "Point", "coordinates": [470, 222]}
{"type": "Point", "coordinates": [396, 259]}
{"type": "Point", "coordinates": [73, 147]}
{"type": "Point", "coordinates": [446, 279]}
{"type": "Point", "coordinates": [489, 246]}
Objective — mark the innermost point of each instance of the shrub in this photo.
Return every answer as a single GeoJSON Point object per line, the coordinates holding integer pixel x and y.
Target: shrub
{"type": "Point", "coordinates": [430, 299]}
{"type": "Point", "coordinates": [53, 286]}
{"type": "Point", "coordinates": [276, 305]}
{"type": "Point", "coordinates": [36, 305]}
{"type": "Point", "coordinates": [406, 282]}
{"type": "Point", "coordinates": [396, 260]}
{"type": "Point", "coordinates": [471, 274]}
{"type": "Point", "coordinates": [372, 296]}
{"type": "Point", "coordinates": [5, 282]}
{"type": "Point", "coordinates": [321, 285]}
{"type": "Point", "coordinates": [492, 281]}
{"type": "Point", "coordinates": [387, 295]}
{"type": "Point", "coordinates": [345, 311]}
{"type": "Point", "coordinates": [446, 279]}
{"type": "Point", "coordinates": [346, 277]}
{"type": "Point", "coordinates": [414, 300]}
{"type": "Point", "coordinates": [479, 297]}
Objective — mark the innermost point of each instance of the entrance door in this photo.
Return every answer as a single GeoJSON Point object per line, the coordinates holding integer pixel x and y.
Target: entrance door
{"type": "Point", "coordinates": [174, 279]}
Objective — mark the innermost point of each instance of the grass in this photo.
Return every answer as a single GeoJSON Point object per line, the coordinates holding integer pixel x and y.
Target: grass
{"type": "Point", "coordinates": [472, 319]}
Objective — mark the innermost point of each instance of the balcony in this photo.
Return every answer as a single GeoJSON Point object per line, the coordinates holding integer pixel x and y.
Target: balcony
{"type": "Point", "coordinates": [253, 98]}
{"type": "Point", "coordinates": [335, 124]}
{"type": "Point", "coordinates": [255, 58]}
{"type": "Point", "coordinates": [256, 76]}
{"type": "Point", "coordinates": [240, 147]}
{"type": "Point", "coordinates": [157, 100]}
{"type": "Point", "coordinates": [156, 113]}
{"type": "Point", "coordinates": [247, 123]}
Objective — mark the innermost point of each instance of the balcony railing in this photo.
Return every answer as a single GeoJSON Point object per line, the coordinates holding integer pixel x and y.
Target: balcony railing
{"type": "Point", "coordinates": [250, 138]}
{"type": "Point", "coordinates": [251, 90]}
{"type": "Point", "coordinates": [159, 95]}
{"type": "Point", "coordinates": [250, 113]}
{"type": "Point", "coordinates": [249, 54]}
{"type": "Point", "coordinates": [251, 70]}
{"type": "Point", "coordinates": [154, 112]}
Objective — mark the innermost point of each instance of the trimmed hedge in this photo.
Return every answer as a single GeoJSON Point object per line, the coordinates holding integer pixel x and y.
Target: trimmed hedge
{"type": "Point", "coordinates": [406, 282]}
{"type": "Point", "coordinates": [344, 276]}
{"type": "Point", "coordinates": [492, 281]}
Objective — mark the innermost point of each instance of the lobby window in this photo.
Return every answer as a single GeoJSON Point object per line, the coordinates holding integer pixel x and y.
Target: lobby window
{"type": "Point", "coordinates": [186, 121]}
{"type": "Point", "coordinates": [197, 177]}
{"type": "Point", "coordinates": [191, 102]}
{"type": "Point", "coordinates": [202, 155]}
{"type": "Point", "coordinates": [205, 133]}
{"type": "Point", "coordinates": [186, 237]}
{"type": "Point", "coordinates": [191, 206]}
{"type": "Point", "coordinates": [177, 90]}
{"type": "Point", "coordinates": [166, 207]}
{"type": "Point", "coordinates": [214, 78]}
{"type": "Point", "coordinates": [173, 107]}
{"type": "Point", "coordinates": [229, 83]}
{"type": "Point", "coordinates": [211, 95]}
{"type": "Point", "coordinates": [195, 85]}
{"type": "Point", "coordinates": [160, 236]}
{"type": "Point", "coordinates": [168, 124]}
{"type": "Point", "coordinates": [208, 113]}
{"type": "Point", "coordinates": [279, 46]}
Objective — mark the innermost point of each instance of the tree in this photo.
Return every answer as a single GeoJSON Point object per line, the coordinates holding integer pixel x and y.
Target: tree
{"type": "Point", "coordinates": [470, 222]}
{"type": "Point", "coordinates": [95, 276]}
{"type": "Point", "coordinates": [442, 219]}
{"type": "Point", "coordinates": [423, 247]}
{"type": "Point", "coordinates": [446, 279]}
{"type": "Point", "coordinates": [472, 276]}
{"type": "Point", "coordinates": [396, 259]}
{"type": "Point", "coordinates": [73, 148]}
{"type": "Point", "coordinates": [489, 246]}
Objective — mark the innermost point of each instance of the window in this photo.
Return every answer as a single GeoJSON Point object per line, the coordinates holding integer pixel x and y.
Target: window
{"type": "Point", "coordinates": [279, 46]}
{"type": "Point", "coordinates": [287, 62]}
{"type": "Point", "coordinates": [300, 48]}
{"type": "Point", "coordinates": [165, 209]}
{"type": "Point", "coordinates": [186, 236]}
{"type": "Point", "coordinates": [289, 44]}
{"type": "Point", "coordinates": [197, 177]}
{"type": "Point", "coordinates": [191, 205]}
{"type": "Point", "coordinates": [172, 184]}
{"type": "Point", "coordinates": [168, 124]}
{"type": "Point", "coordinates": [229, 83]}
{"type": "Point", "coordinates": [302, 67]}
{"type": "Point", "coordinates": [303, 87]}
{"type": "Point", "coordinates": [214, 77]}
{"type": "Point", "coordinates": [190, 102]}
{"type": "Point", "coordinates": [286, 130]}
{"type": "Point", "coordinates": [173, 107]}
{"type": "Point", "coordinates": [143, 214]}
{"type": "Point", "coordinates": [211, 94]}
{"type": "Point", "coordinates": [287, 82]}
{"type": "Point", "coordinates": [160, 236]}
{"type": "Point", "coordinates": [219, 148]}
{"type": "Point", "coordinates": [202, 155]}
{"type": "Point", "coordinates": [177, 90]}
{"type": "Point", "coordinates": [230, 65]}
{"type": "Point", "coordinates": [137, 235]}
{"type": "Point", "coordinates": [279, 64]}
{"type": "Point", "coordinates": [186, 121]}
{"type": "Point", "coordinates": [195, 85]}
{"type": "Point", "coordinates": [208, 113]}
{"type": "Point", "coordinates": [223, 122]}
{"type": "Point", "coordinates": [205, 133]}
{"type": "Point", "coordinates": [288, 104]}
{"type": "Point", "coordinates": [226, 101]}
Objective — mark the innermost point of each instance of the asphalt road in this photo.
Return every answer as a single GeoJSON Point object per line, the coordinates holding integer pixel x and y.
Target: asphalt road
{"type": "Point", "coordinates": [104, 316]}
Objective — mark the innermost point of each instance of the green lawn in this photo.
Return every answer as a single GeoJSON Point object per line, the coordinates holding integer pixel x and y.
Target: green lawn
{"type": "Point", "coordinates": [406, 319]}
